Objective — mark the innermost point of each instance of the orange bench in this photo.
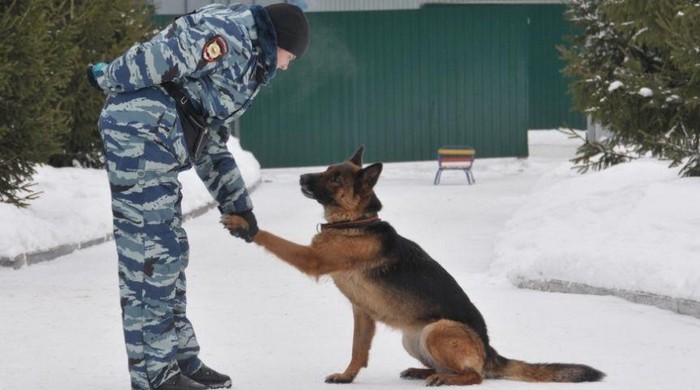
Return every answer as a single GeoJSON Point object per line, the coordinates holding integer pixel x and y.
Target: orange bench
{"type": "Point", "coordinates": [456, 157]}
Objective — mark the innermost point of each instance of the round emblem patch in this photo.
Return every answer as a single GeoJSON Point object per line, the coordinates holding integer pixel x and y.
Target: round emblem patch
{"type": "Point", "coordinates": [214, 49]}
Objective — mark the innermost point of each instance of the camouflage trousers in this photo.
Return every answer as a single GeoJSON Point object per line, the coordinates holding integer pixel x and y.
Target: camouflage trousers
{"type": "Point", "coordinates": [144, 151]}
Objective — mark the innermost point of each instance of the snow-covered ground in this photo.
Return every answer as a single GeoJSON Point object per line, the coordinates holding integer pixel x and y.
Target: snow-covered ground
{"type": "Point", "coordinates": [633, 226]}
{"type": "Point", "coordinates": [272, 328]}
{"type": "Point", "coordinates": [74, 206]}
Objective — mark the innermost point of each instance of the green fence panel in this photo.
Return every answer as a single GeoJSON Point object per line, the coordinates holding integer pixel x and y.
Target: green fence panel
{"type": "Point", "coordinates": [550, 103]}
{"type": "Point", "coordinates": [405, 82]}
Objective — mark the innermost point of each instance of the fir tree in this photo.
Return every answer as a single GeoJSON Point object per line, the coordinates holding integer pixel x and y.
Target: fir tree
{"type": "Point", "coordinates": [32, 72]}
{"type": "Point", "coordinates": [101, 30]}
{"type": "Point", "coordinates": [48, 113]}
{"type": "Point", "coordinates": [637, 70]}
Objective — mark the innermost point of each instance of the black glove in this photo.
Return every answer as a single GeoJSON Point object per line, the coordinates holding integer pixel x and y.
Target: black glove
{"type": "Point", "coordinates": [247, 233]}
{"type": "Point", "coordinates": [92, 77]}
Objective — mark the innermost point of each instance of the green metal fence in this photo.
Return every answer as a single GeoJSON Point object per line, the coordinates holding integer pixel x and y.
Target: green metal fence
{"type": "Point", "coordinates": [405, 82]}
{"type": "Point", "coordinates": [550, 105]}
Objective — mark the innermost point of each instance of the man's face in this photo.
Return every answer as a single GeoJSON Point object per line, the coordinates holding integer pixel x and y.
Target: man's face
{"type": "Point", "coordinates": [284, 58]}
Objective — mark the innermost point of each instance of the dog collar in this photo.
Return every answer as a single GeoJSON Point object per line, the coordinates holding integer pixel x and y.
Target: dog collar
{"type": "Point", "coordinates": [350, 224]}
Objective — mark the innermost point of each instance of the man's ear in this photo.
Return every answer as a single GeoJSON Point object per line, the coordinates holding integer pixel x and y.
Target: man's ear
{"type": "Point", "coordinates": [369, 176]}
{"type": "Point", "coordinates": [357, 157]}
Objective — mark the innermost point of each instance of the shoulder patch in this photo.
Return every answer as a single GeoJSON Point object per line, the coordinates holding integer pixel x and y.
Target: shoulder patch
{"type": "Point", "coordinates": [214, 49]}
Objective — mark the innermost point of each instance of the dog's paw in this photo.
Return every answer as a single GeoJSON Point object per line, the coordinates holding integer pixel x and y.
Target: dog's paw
{"type": "Point", "coordinates": [436, 380]}
{"type": "Point", "coordinates": [417, 373]}
{"type": "Point", "coordinates": [340, 378]}
{"type": "Point", "coordinates": [233, 222]}
{"type": "Point", "coordinates": [463, 379]}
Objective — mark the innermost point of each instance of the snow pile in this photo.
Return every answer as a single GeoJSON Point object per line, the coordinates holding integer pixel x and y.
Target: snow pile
{"type": "Point", "coordinates": [615, 85]}
{"type": "Point", "coordinates": [632, 226]}
{"type": "Point", "coordinates": [646, 92]}
{"type": "Point", "coordinates": [75, 206]}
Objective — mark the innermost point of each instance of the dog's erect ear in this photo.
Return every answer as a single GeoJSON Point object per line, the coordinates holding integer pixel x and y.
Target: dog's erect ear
{"type": "Point", "coordinates": [357, 157]}
{"type": "Point", "coordinates": [369, 176]}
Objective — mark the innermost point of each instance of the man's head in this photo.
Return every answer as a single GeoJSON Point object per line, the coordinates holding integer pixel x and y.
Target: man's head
{"type": "Point", "coordinates": [292, 30]}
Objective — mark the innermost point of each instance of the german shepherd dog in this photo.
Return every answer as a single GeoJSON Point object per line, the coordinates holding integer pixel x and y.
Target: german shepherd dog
{"type": "Point", "coordinates": [390, 279]}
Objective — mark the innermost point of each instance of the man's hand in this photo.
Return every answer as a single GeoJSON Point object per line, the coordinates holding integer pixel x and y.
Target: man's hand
{"type": "Point", "coordinates": [241, 225]}
{"type": "Point", "coordinates": [92, 71]}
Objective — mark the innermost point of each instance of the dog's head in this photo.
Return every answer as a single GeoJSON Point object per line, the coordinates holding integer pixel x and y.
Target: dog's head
{"type": "Point", "coordinates": [345, 190]}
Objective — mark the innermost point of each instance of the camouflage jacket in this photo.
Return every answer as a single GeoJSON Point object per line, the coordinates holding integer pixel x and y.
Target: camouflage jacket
{"type": "Point", "coordinates": [221, 55]}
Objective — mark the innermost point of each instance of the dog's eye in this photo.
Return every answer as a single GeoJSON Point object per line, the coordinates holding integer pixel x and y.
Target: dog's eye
{"type": "Point", "coordinates": [335, 178]}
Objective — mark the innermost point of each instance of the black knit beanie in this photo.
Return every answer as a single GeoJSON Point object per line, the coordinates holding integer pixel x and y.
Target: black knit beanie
{"type": "Point", "coordinates": [291, 27]}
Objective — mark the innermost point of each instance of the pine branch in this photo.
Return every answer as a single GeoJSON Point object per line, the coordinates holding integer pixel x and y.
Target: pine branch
{"type": "Point", "coordinates": [596, 155]}
{"type": "Point", "coordinates": [644, 44]}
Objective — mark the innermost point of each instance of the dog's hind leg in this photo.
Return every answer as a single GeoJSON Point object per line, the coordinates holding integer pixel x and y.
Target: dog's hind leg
{"type": "Point", "coordinates": [412, 344]}
{"type": "Point", "coordinates": [417, 373]}
{"type": "Point", "coordinates": [362, 337]}
{"type": "Point", "coordinates": [455, 351]}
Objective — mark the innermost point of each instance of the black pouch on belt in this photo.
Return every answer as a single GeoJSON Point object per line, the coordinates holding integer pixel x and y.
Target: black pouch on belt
{"type": "Point", "coordinates": [193, 123]}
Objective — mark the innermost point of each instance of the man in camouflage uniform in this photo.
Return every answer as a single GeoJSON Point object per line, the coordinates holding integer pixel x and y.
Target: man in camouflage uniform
{"type": "Point", "coordinates": [218, 58]}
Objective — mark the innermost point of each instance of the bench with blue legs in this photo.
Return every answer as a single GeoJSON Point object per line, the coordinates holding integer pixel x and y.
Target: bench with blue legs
{"type": "Point", "coordinates": [456, 157]}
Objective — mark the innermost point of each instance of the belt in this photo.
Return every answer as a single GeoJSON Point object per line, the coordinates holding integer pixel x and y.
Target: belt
{"type": "Point", "coordinates": [193, 123]}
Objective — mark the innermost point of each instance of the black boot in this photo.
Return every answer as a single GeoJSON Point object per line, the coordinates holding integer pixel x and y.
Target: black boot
{"type": "Point", "coordinates": [181, 382]}
{"type": "Point", "coordinates": [211, 378]}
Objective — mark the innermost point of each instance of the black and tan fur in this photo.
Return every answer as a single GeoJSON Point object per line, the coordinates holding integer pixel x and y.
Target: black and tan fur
{"type": "Point", "coordinates": [390, 279]}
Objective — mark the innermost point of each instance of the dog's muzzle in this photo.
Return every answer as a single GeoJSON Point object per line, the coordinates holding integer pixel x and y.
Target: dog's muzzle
{"type": "Point", "coordinates": [305, 182]}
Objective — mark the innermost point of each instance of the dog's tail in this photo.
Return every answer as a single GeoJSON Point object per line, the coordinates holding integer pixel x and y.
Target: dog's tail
{"type": "Point", "coordinates": [499, 367]}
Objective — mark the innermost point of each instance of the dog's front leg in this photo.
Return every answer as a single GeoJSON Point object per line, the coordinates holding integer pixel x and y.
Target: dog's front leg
{"type": "Point", "coordinates": [361, 343]}
{"type": "Point", "coordinates": [318, 259]}
{"type": "Point", "coordinates": [306, 259]}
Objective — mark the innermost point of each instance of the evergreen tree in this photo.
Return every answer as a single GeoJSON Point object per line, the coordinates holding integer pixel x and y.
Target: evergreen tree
{"type": "Point", "coordinates": [637, 70]}
{"type": "Point", "coordinates": [48, 112]}
{"type": "Point", "coordinates": [32, 72]}
{"type": "Point", "coordinates": [101, 30]}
